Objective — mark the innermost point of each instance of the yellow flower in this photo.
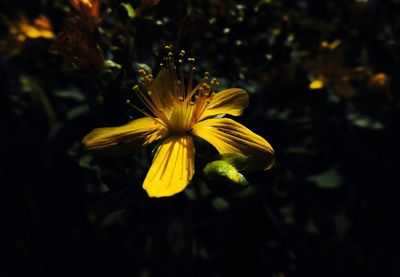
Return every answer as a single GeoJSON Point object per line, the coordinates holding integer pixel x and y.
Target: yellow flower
{"type": "Point", "coordinates": [177, 112]}
{"type": "Point", "coordinates": [23, 29]}
{"type": "Point", "coordinates": [330, 71]}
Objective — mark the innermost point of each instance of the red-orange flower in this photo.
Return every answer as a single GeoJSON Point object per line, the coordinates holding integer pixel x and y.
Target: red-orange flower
{"type": "Point", "coordinates": [379, 84]}
{"type": "Point", "coordinates": [87, 8]}
{"type": "Point", "coordinates": [78, 44]}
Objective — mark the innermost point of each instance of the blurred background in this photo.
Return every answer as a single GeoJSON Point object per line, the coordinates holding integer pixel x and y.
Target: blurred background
{"type": "Point", "coordinates": [323, 79]}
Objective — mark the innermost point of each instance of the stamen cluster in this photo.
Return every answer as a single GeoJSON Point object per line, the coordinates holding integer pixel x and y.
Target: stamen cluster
{"type": "Point", "coordinates": [170, 98]}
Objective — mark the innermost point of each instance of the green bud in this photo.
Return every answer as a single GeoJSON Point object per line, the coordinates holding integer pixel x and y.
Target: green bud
{"type": "Point", "coordinates": [221, 175]}
{"type": "Point", "coordinates": [238, 160]}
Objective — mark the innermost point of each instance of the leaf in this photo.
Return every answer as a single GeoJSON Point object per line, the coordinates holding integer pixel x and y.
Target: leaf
{"type": "Point", "coordinates": [77, 112]}
{"type": "Point", "coordinates": [86, 161]}
{"type": "Point", "coordinates": [364, 121]}
{"type": "Point", "coordinates": [330, 179]}
{"type": "Point", "coordinates": [220, 204]}
{"type": "Point", "coordinates": [70, 94]}
{"type": "Point", "coordinates": [125, 9]}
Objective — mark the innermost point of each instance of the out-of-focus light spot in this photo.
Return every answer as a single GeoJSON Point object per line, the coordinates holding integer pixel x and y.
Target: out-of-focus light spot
{"type": "Point", "coordinates": [316, 84]}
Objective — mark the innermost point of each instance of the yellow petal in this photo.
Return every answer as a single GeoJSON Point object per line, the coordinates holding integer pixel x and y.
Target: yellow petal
{"type": "Point", "coordinates": [126, 138]}
{"type": "Point", "coordinates": [228, 136]}
{"type": "Point", "coordinates": [230, 101]}
{"type": "Point", "coordinates": [172, 167]}
{"type": "Point", "coordinates": [163, 85]}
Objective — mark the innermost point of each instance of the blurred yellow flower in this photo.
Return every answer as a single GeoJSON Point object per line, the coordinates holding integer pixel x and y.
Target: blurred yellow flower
{"type": "Point", "coordinates": [23, 29]}
{"type": "Point", "coordinates": [329, 71]}
{"type": "Point", "coordinates": [177, 112]}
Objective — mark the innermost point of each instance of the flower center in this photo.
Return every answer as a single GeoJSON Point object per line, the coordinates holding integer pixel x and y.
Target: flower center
{"type": "Point", "coordinates": [171, 98]}
{"type": "Point", "coordinates": [180, 119]}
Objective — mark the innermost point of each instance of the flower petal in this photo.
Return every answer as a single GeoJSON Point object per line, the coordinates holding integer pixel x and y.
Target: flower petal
{"type": "Point", "coordinates": [172, 167]}
{"type": "Point", "coordinates": [126, 138]}
{"type": "Point", "coordinates": [230, 101]}
{"type": "Point", "coordinates": [163, 85]}
{"type": "Point", "coordinates": [228, 136]}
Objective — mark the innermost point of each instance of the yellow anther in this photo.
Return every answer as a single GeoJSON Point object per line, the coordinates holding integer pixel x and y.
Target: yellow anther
{"type": "Point", "coordinates": [205, 86]}
{"type": "Point", "coordinates": [135, 88]}
{"type": "Point", "coordinates": [182, 52]}
{"type": "Point", "coordinates": [180, 61]}
{"type": "Point", "coordinates": [191, 60]}
{"type": "Point", "coordinates": [170, 54]}
{"type": "Point", "coordinates": [149, 93]}
{"type": "Point", "coordinates": [180, 98]}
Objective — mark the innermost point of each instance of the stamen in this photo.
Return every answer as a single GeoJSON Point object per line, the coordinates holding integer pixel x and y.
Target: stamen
{"type": "Point", "coordinates": [214, 83]}
{"type": "Point", "coordinates": [145, 113]}
{"type": "Point", "coordinates": [191, 70]}
{"type": "Point", "coordinates": [178, 105]}
{"type": "Point", "coordinates": [206, 75]}
{"type": "Point", "coordinates": [182, 80]}
{"type": "Point", "coordinates": [154, 106]}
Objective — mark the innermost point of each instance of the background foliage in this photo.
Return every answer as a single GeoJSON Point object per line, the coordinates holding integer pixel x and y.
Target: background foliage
{"type": "Point", "coordinates": [328, 208]}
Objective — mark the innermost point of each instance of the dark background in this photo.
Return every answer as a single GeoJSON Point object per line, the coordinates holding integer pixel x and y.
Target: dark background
{"type": "Point", "coordinates": [328, 208]}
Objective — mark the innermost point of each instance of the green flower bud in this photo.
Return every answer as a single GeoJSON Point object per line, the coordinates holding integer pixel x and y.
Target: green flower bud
{"type": "Point", "coordinates": [238, 160]}
{"type": "Point", "coordinates": [221, 175]}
